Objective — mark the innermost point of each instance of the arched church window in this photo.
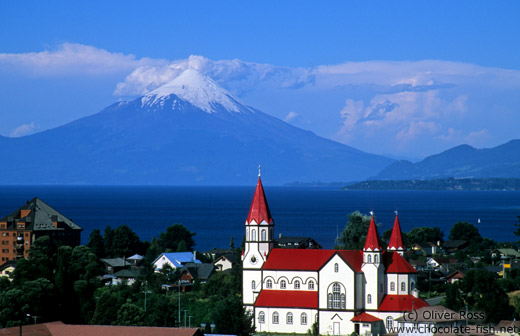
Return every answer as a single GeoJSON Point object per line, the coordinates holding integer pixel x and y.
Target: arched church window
{"type": "Point", "coordinates": [412, 286]}
{"type": "Point", "coordinates": [369, 259]}
{"type": "Point", "coordinates": [283, 284]}
{"type": "Point", "coordinates": [336, 296]}
{"type": "Point", "coordinates": [303, 319]}
{"type": "Point", "coordinates": [336, 268]}
{"type": "Point", "coordinates": [253, 235]}
{"type": "Point", "coordinates": [264, 235]}
{"type": "Point", "coordinates": [261, 317]}
{"type": "Point", "coordinates": [275, 318]}
{"type": "Point", "coordinates": [369, 298]}
{"type": "Point", "coordinates": [389, 323]}
{"type": "Point", "coordinates": [376, 259]}
{"type": "Point", "coordinates": [311, 285]}
{"type": "Point", "coordinates": [403, 286]}
{"type": "Point", "coordinates": [392, 286]}
{"type": "Point", "coordinates": [297, 284]}
{"type": "Point", "coordinates": [289, 318]}
{"type": "Point", "coordinates": [253, 284]}
{"type": "Point", "coordinates": [269, 283]}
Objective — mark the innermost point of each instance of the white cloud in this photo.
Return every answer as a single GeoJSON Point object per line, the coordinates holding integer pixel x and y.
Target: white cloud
{"type": "Point", "coordinates": [235, 75]}
{"type": "Point", "coordinates": [73, 59]}
{"type": "Point", "coordinates": [24, 129]}
{"type": "Point", "coordinates": [291, 116]}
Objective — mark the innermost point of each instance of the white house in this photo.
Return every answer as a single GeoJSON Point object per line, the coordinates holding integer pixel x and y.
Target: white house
{"type": "Point", "coordinates": [174, 259]}
{"type": "Point", "coordinates": [343, 291]}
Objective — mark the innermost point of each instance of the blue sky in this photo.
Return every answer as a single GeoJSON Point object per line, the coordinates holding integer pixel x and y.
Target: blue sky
{"type": "Point", "coordinates": [407, 78]}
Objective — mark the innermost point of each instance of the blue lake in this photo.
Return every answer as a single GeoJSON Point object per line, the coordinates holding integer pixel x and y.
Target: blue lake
{"type": "Point", "coordinates": [217, 213]}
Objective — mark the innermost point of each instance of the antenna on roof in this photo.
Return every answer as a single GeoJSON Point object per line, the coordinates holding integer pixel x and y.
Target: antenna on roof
{"type": "Point", "coordinates": [259, 170]}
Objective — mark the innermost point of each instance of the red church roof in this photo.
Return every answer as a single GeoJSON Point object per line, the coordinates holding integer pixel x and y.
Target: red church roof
{"type": "Point", "coordinates": [287, 299]}
{"type": "Point", "coordinates": [396, 240]}
{"type": "Point", "coordinates": [365, 317]}
{"type": "Point", "coordinates": [395, 263]}
{"type": "Point", "coordinates": [259, 210]}
{"type": "Point", "coordinates": [372, 242]}
{"type": "Point", "coordinates": [395, 303]}
{"type": "Point", "coordinates": [309, 260]}
{"type": "Point", "coordinates": [297, 259]}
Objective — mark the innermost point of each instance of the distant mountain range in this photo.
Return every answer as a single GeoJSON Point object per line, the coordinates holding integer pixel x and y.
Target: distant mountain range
{"type": "Point", "coordinates": [459, 162]}
{"type": "Point", "coordinates": [475, 184]}
{"type": "Point", "coordinates": [187, 132]}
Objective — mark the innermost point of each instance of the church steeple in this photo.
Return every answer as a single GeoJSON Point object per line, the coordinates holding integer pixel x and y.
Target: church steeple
{"type": "Point", "coordinates": [372, 242]}
{"type": "Point", "coordinates": [396, 240]}
{"type": "Point", "coordinates": [259, 211]}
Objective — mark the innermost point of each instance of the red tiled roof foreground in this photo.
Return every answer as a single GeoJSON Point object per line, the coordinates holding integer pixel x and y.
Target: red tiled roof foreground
{"type": "Point", "coordinates": [394, 303]}
{"type": "Point", "coordinates": [259, 210]}
{"type": "Point", "coordinates": [287, 299]}
{"type": "Point", "coordinates": [365, 317]}
{"type": "Point", "coordinates": [60, 329]}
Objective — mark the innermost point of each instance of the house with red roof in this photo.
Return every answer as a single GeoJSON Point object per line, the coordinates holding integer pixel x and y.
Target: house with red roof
{"type": "Point", "coordinates": [288, 290]}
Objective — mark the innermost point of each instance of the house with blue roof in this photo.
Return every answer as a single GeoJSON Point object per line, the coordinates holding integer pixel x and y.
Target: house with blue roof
{"type": "Point", "coordinates": [175, 260]}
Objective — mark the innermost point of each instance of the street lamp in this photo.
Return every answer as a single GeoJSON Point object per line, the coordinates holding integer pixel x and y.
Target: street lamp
{"type": "Point", "coordinates": [189, 319]}
{"type": "Point", "coordinates": [185, 310]}
{"type": "Point", "coordinates": [179, 303]}
{"type": "Point", "coordinates": [34, 317]}
{"type": "Point", "coordinates": [145, 292]}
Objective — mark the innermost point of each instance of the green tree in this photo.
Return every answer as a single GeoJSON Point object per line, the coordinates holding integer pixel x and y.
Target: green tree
{"type": "Point", "coordinates": [96, 243]}
{"type": "Point", "coordinates": [465, 231]}
{"type": "Point", "coordinates": [174, 236]}
{"type": "Point", "coordinates": [108, 240]}
{"type": "Point", "coordinates": [130, 315]}
{"type": "Point", "coordinates": [107, 306]}
{"type": "Point", "coordinates": [126, 242]}
{"type": "Point", "coordinates": [423, 235]}
{"type": "Point", "coordinates": [480, 291]}
{"type": "Point", "coordinates": [355, 232]}
{"type": "Point", "coordinates": [517, 225]}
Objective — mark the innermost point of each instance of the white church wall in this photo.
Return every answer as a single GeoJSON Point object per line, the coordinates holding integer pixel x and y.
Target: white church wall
{"type": "Point", "coordinates": [344, 276]}
{"type": "Point", "coordinates": [332, 320]}
{"type": "Point", "coordinates": [297, 326]}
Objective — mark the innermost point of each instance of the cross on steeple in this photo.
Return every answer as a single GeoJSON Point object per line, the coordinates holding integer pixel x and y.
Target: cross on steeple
{"type": "Point", "coordinates": [259, 170]}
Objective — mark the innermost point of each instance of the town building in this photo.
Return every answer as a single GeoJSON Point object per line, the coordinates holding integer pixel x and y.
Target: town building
{"type": "Point", "coordinates": [174, 260]}
{"type": "Point", "coordinates": [33, 220]}
{"type": "Point", "coordinates": [343, 291]}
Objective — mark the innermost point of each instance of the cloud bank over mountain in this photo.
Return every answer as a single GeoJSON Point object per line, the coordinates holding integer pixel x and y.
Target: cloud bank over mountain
{"type": "Point", "coordinates": [408, 108]}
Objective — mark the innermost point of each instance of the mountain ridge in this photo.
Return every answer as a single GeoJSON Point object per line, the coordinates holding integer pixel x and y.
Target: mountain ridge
{"type": "Point", "coordinates": [174, 142]}
{"type": "Point", "coordinates": [463, 161]}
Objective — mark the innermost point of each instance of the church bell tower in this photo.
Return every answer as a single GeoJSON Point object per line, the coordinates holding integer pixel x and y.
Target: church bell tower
{"type": "Point", "coordinates": [259, 241]}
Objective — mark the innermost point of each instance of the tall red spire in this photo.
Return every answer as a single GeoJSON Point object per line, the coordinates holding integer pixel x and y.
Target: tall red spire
{"type": "Point", "coordinates": [372, 242]}
{"type": "Point", "coordinates": [396, 239]}
{"type": "Point", "coordinates": [259, 210]}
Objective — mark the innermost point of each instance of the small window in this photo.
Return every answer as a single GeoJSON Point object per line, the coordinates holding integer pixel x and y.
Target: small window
{"type": "Point", "coordinates": [336, 268]}
{"type": "Point", "coordinates": [412, 286]}
{"type": "Point", "coordinates": [369, 298]}
{"type": "Point", "coordinates": [311, 285]}
{"type": "Point", "coordinates": [253, 235]}
{"type": "Point", "coordinates": [261, 317]}
{"type": "Point", "coordinates": [303, 319]}
{"type": "Point", "coordinates": [376, 259]}
{"type": "Point", "coordinates": [297, 284]}
{"type": "Point", "coordinates": [253, 284]}
{"type": "Point", "coordinates": [369, 259]}
{"type": "Point", "coordinates": [392, 286]}
{"type": "Point", "coordinates": [275, 318]}
{"type": "Point", "coordinates": [283, 284]}
{"type": "Point", "coordinates": [289, 318]}
{"type": "Point", "coordinates": [269, 284]}
{"type": "Point", "coordinates": [264, 238]}
{"type": "Point", "coordinates": [389, 323]}
{"type": "Point", "coordinates": [403, 286]}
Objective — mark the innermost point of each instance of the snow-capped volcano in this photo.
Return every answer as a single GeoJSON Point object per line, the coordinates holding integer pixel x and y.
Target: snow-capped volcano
{"type": "Point", "coordinates": [199, 90]}
{"type": "Point", "coordinates": [188, 131]}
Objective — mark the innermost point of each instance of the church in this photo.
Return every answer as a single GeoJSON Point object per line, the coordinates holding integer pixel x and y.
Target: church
{"type": "Point", "coordinates": [342, 291]}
